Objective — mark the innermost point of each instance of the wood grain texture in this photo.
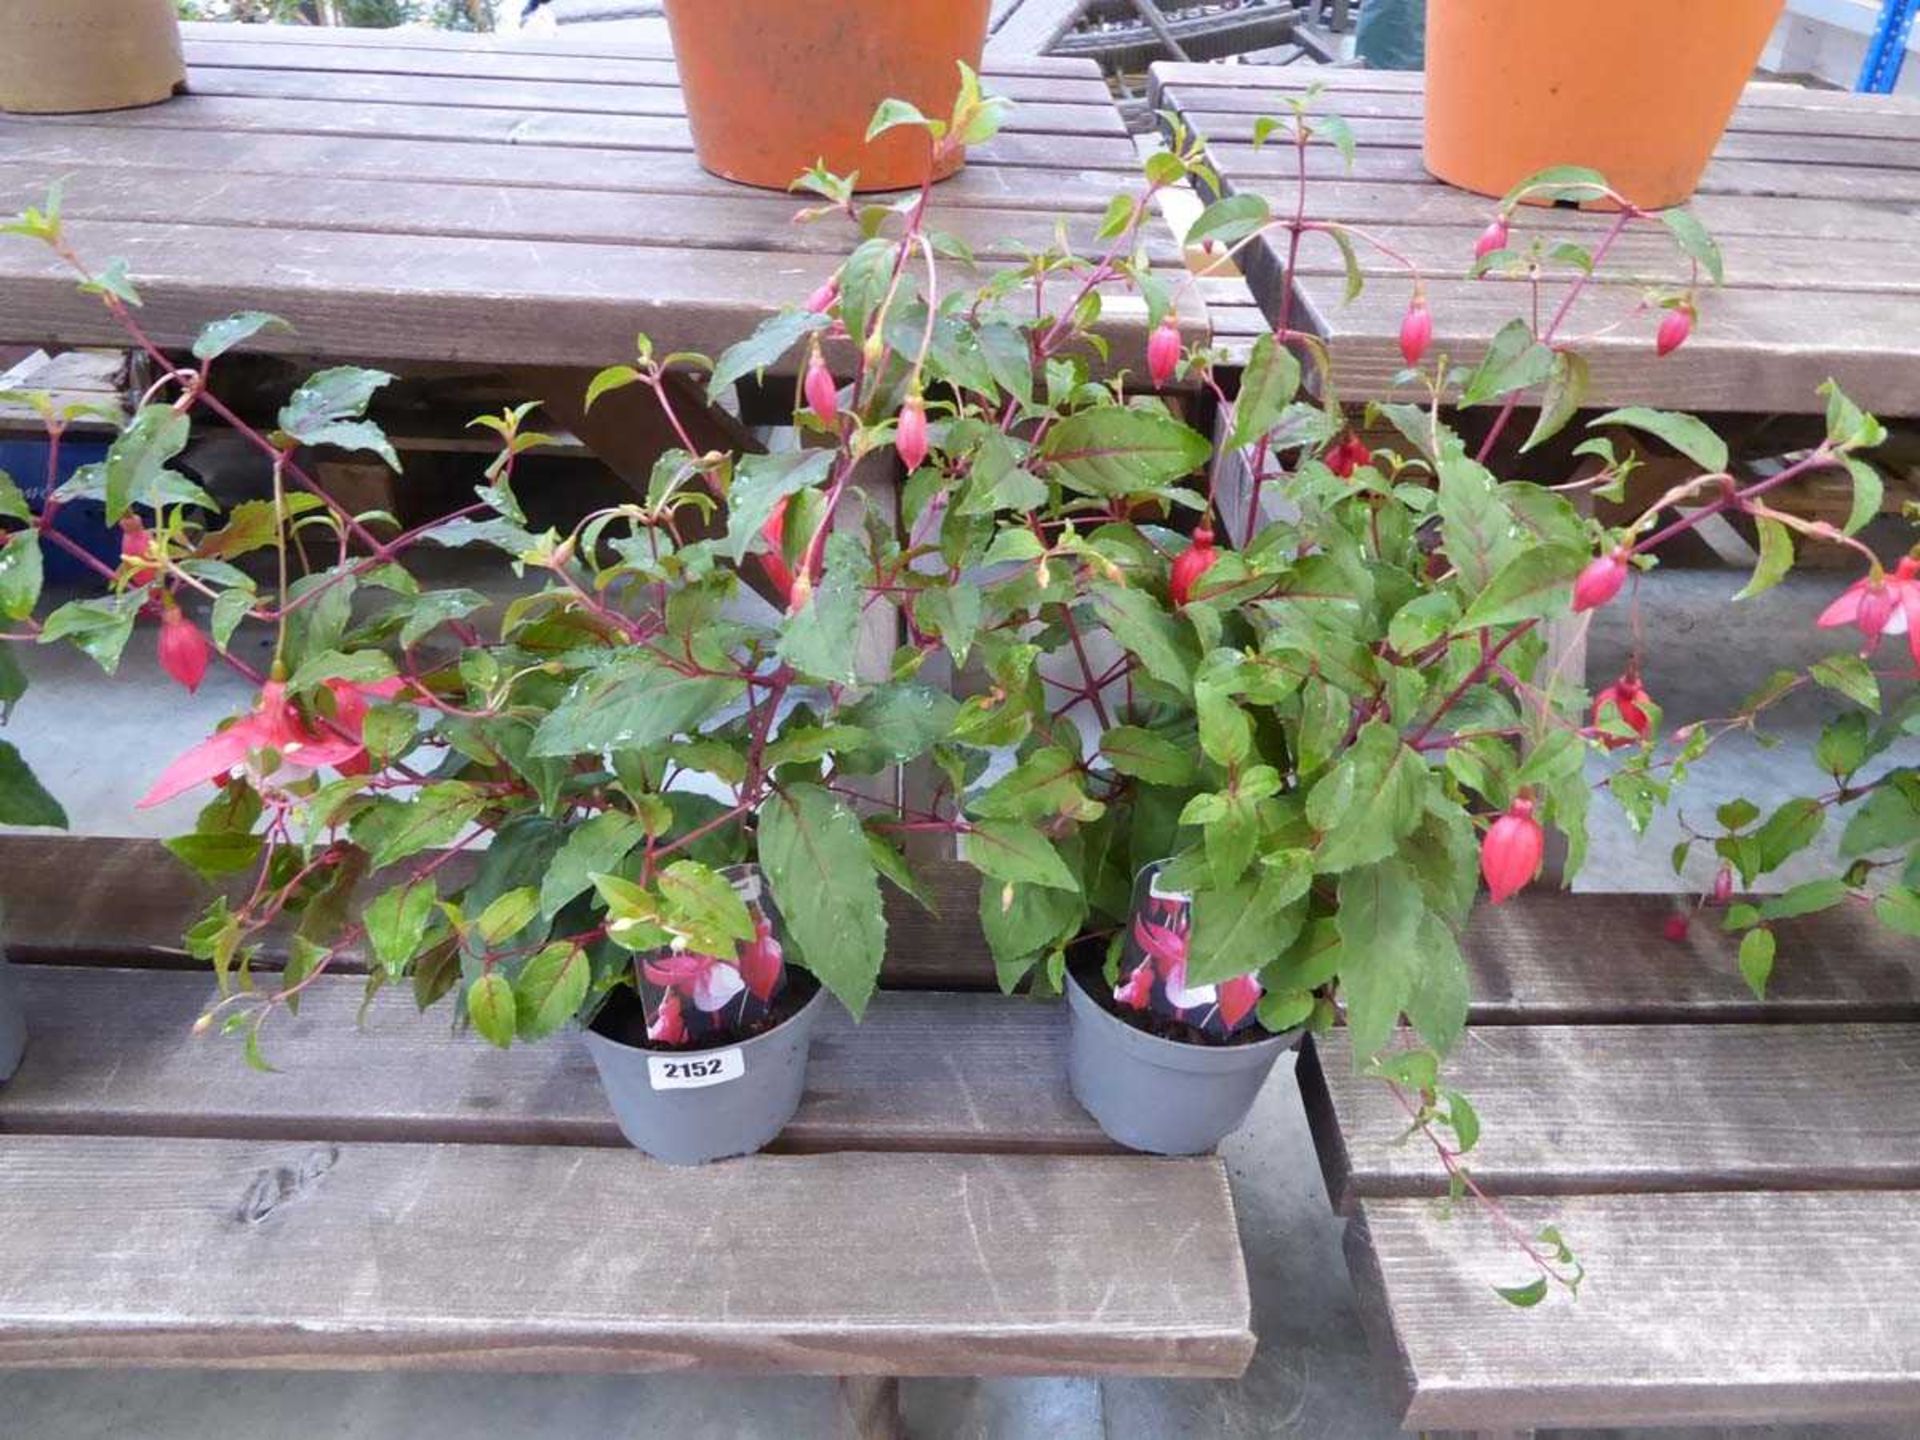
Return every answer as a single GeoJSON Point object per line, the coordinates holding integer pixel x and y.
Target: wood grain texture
{"type": "Point", "coordinates": [239, 1254]}
{"type": "Point", "coordinates": [1697, 1309]}
{"type": "Point", "coordinates": [112, 1054]}
{"type": "Point", "coordinates": [1621, 1108]}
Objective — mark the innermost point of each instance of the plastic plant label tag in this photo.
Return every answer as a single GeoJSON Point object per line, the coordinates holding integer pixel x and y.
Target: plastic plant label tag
{"type": "Point", "coordinates": [695, 1072]}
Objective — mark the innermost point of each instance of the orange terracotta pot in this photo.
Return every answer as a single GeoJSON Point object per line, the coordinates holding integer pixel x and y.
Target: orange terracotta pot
{"type": "Point", "coordinates": [774, 85]}
{"type": "Point", "coordinates": [1639, 90]}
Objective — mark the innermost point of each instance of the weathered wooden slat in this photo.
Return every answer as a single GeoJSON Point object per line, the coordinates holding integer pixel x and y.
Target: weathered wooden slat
{"type": "Point", "coordinates": [739, 221]}
{"type": "Point", "coordinates": [1069, 80]}
{"type": "Point", "coordinates": [72, 900]}
{"type": "Point", "coordinates": [630, 134]}
{"type": "Point", "coordinates": [1027, 117]}
{"type": "Point", "coordinates": [111, 1054]}
{"type": "Point", "coordinates": [1697, 1309]}
{"type": "Point", "coordinates": [51, 150]}
{"type": "Point", "coordinates": [1622, 1108]}
{"type": "Point", "coordinates": [235, 1254]}
{"type": "Point", "coordinates": [399, 297]}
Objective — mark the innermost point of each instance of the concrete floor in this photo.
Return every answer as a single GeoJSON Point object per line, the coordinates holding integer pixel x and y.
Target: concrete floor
{"type": "Point", "coordinates": [93, 743]}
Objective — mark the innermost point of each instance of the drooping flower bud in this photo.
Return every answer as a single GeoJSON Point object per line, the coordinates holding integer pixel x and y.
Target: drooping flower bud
{"type": "Point", "coordinates": [1722, 893]}
{"type": "Point", "coordinates": [823, 396]}
{"type": "Point", "coordinates": [1163, 352]}
{"type": "Point", "coordinates": [1191, 564]}
{"type": "Point", "coordinates": [1675, 326]}
{"type": "Point", "coordinates": [823, 299]}
{"type": "Point", "coordinates": [184, 651]}
{"type": "Point", "coordinates": [1621, 703]}
{"type": "Point", "coordinates": [136, 552]}
{"type": "Point", "coordinates": [910, 440]}
{"type": "Point", "coordinates": [1675, 929]}
{"type": "Point", "coordinates": [1511, 852]}
{"type": "Point", "coordinates": [1416, 330]}
{"type": "Point", "coordinates": [1493, 238]}
{"type": "Point", "coordinates": [774, 562]}
{"type": "Point", "coordinates": [1600, 581]}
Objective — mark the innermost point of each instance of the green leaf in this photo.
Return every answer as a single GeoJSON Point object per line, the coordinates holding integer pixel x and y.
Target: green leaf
{"type": "Point", "coordinates": [1776, 558]}
{"type": "Point", "coordinates": [1869, 493]}
{"type": "Point", "coordinates": [1379, 923]}
{"type": "Point", "coordinates": [701, 905]}
{"type": "Point", "coordinates": [1284, 1010]}
{"type": "Point", "coordinates": [20, 574]}
{"type": "Point", "coordinates": [396, 924]}
{"type": "Point", "coordinates": [1463, 1120]}
{"type": "Point", "coordinates": [1033, 919]}
{"type": "Point", "coordinates": [99, 629]}
{"type": "Point", "coordinates": [1557, 182]}
{"type": "Point", "coordinates": [1789, 830]}
{"type": "Point", "coordinates": [773, 339]}
{"type": "Point", "coordinates": [1524, 1297]}
{"type": "Point", "coordinates": [1044, 784]}
{"type": "Point", "coordinates": [1514, 361]}
{"type": "Point", "coordinates": [1535, 583]}
{"type": "Point", "coordinates": [1756, 960]}
{"type": "Point", "coordinates": [1231, 220]}
{"type": "Point", "coordinates": [1350, 259]}
{"type": "Point", "coordinates": [327, 410]}
{"type": "Point", "coordinates": [1369, 801]}
{"type": "Point", "coordinates": [1566, 389]}
{"type": "Point", "coordinates": [904, 720]}
{"type": "Point", "coordinates": [137, 460]}
{"type": "Point", "coordinates": [1694, 242]}
{"type": "Point", "coordinates": [434, 609]}
{"type": "Point", "coordinates": [507, 915]}
{"type": "Point", "coordinates": [1476, 527]}
{"type": "Point", "coordinates": [1147, 756]}
{"type": "Point", "coordinates": [1013, 852]}
{"type": "Point", "coordinates": [214, 855]}
{"type": "Point", "coordinates": [822, 641]}
{"type": "Point", "coordinates": [23, 800]}
{"type": "Point", "coordinates": [893, 113]}
{"type": "Point", "coordinates": [1240, 928]}
{"type": "Point", "coordinates": [1437, 1003]}
{"type": "Point", "coordinates": [1889, 820]}
{"type": "Point", "coordinates": [1267, 386]}
{"type": "Point", "coordinates": [1808, 898]}
{"type": "Point", "coordinates": [1684, 433]}
{"type": "Point", "coordinates": [549, 990]}
{"type": "Point", "coordinates": [1899, 909]}
{"type": "Point", "coordinates": [491, 1007]}
{"type": "Point", "coordinates": [1148, 632]}
{"type": "Point", "coordinates": [823, 879]}
{"type": "Point", "coordinates": [1113, 451]}
{"type": "Point", "coordinates": [591, 849]}
{"type": "Point", "coordinates": [1850, 676]}
{"type": "Point", "coordinates": [13, 504]}
{"type": "Point", "coordinates": [223, 335]}
{"type": "Point", "coordinates": [953, 613]}
{"type": "Point", "coordinates": [391, 830]}
{"type": "Point", "coordinates": [629, 705]}
{"type": "Point", "coordinates": [760, 483]}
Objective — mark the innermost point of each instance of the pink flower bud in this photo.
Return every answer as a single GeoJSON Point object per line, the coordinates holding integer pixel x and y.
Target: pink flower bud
{"type": "Point", "coordinates": [1722, 894]}
{"type": "Point", "coordinates": [1675, 326]}
{"type": "Point", "coordinates": [823, 299]}
{"type": "Point", "coordinates": [1163, 352]}
{"type": "Point", "coordinates": [1512, 850]}
{"type": "Point", "coordinates": [1493, 238]}
{"type": "Point", "coordinates": [910, 440]}
{"type": "Point", "coordinates": [1194, 561]}
{"type": "Point", "coordinates": [1416, 330]}
{"type": "Point", "coordinates": [184, 651]}
{"type": "Point", "coordinates": [1600, 581]}
{"type": "Point", "coordinates": [823, 396]}
{"type": "Point", "coordinates": [136, 550]}
{"type": "Point", "coordinates": [1675, 929]}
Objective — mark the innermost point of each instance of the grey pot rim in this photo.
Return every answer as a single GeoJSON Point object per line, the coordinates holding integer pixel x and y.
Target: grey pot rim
{"type": "Point", "coordinates": [805, 1012]}
{"type": "Point", "coordinates": [1179, 1054]}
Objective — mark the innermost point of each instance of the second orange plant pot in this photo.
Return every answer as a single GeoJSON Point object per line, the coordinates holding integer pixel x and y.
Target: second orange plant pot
{"type": "Point", "coordinates": [1639, 90]}
{"type": "Point", "coordinates": [774, 85]}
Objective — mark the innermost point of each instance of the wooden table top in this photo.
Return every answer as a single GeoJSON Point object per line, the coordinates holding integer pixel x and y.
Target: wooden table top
{"type": "Point", "coordinates": [428, 197]}
{"type": "Point", "coordinates": [1740, 1178]}
{"type": "Point", "coordinates": [1814, 197]}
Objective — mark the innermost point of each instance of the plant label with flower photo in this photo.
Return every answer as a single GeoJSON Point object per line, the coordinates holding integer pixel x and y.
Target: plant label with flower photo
{"type": "Point", "coordinates": [1153, 967]}
{"type": "Point", "coordinates": [696, 1072]}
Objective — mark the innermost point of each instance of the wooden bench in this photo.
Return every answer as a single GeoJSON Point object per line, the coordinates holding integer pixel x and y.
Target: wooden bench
{"type": "Point", "coordinates": [400, 1197]}
{"type": "Point", "coordinates": [1740, 1178]}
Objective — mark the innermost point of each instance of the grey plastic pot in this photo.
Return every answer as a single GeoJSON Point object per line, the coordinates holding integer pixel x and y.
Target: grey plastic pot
{"type": "Point", "coordinates": [1159, 1095]}
{"type": "Point", "coordinates": [13, 1024]}
{"type": "Point", "coordinates": [688, 1107]}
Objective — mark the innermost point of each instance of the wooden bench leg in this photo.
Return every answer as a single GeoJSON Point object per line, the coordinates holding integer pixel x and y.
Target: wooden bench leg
{"type": "Point", "coordinates": [872, 1404]}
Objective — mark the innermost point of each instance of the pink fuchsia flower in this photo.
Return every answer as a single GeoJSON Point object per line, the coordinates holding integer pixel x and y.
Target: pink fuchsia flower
{"type": "Point", "coordinates": [824, 299]}
{"type": "Point", "coordinates": [1675, 326]}
{"type": "Point", "coordinates": [1163, 352]}
{"type": "Point", "coordinates": [1512, 850]}
{"type": "Point", "coordinates": [1621, 703]}
{"type": "Point", "coordinates": [1493, 238]}
{"type": "Point", "coordinates": [910, 439]}
{"type": "Point", "coordinates": [136, 552]}
{"type": "Point", "coordinates": [1238, 996]}
{"type": "Point", "coordinates": [185, 653]}
{"type": "Point", "coordinates": [1348, 456]}
{"type": "Point", "coordinates": [707, 980]}
{"type": "Point", "coordinates": [273, 726]}
{"type": "Point", "coordinates": [823, 396]}
{"type": "Point", "coordinates": [1416, 330]}
{"type": "Point", "coordinates": [1600, 581]}
{"type": "Point", "coordinates": [1881, 604]}
{"type": "Point", "coordinates": [1192, 563]}
{"type": "Point", "coordinates": [762, 960]}
{"type": "Point", "coordinates": [1675, 929]}
{"type": "Point", "coordinates": [669, 1026]}
{"type": "Point", "coordinates": [350, 706]}
{"type": "Point", "coordinates": [1136, 991]}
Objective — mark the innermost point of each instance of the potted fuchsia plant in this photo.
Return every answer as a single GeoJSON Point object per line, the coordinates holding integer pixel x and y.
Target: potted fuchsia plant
{"type": "Point", "coordinates": [1227, 769]}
